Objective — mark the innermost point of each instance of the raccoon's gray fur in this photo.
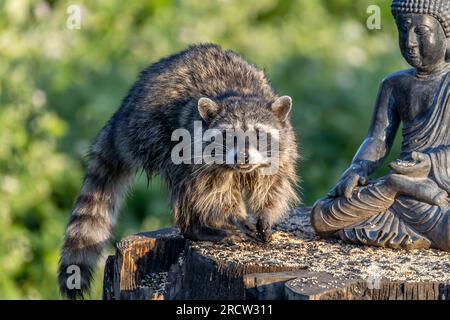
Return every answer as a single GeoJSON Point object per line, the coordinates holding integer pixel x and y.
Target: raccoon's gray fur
{"type": "Point", "coordinates": [208, 201]}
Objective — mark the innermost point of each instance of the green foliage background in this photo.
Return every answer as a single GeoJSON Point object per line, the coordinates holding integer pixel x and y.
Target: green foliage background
{"type": "Point", "coordinates": [58, 86]}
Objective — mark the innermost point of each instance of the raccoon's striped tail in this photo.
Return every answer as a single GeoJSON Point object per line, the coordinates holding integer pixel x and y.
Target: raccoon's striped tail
{"type": "Point", "coordinates": [93, 217]}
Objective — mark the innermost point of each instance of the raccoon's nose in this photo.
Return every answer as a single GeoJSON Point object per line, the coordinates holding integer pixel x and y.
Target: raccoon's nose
{"type": "Point", "coordinates": [246, 158]}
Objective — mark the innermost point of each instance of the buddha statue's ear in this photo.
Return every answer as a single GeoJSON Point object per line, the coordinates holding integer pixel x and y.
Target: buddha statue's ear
{"type": "Point", "coordinates": [208, 109]}
{"type": "Point", "coordinates": [282, 107]}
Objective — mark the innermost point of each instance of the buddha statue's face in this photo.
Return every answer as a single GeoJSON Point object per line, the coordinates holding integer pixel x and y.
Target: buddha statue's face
{"type": "Point", "coordinates": [422, 41]}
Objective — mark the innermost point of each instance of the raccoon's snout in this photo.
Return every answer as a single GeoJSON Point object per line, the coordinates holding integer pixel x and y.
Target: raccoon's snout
{"type": "Point", "coordinates": [244, 164]}
{"type": "Point", "coordinates": [250, 161]}
{"type": "Point", "coordinates": [245, 158]}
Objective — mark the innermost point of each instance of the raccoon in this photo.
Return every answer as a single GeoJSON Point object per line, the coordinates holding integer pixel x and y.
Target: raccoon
{"type": "Point", "coordinates": [218, 90]}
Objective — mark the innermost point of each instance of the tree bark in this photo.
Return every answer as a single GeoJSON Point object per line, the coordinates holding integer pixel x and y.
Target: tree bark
{"type": "Point", "coordinates": [163, 265]}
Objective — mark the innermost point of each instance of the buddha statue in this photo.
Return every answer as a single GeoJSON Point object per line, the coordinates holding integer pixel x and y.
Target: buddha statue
{"type": "Point", "coordinates": [409, 207]}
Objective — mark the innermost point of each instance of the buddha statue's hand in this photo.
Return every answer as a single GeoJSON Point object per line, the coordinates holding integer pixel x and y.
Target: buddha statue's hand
{"type": "Point", "coordinates": [419, 167]}
{"type": "Point", "coordinates": [353, 177]}
{"type": "Point", "coordinates": [421, 189]}
{"type": "Point", "coordinates": [411, 178]}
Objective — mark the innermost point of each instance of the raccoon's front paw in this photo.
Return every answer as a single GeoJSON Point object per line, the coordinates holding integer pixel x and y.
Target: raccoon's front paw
{"type": "Point", "coordinates": [234, 238]}
{"type": "Point", "coordinates": [263, 231]}
{"type": "Point", "coordinates": [198, 232]}
{"type": "Point", "coordinates": [248, 230]}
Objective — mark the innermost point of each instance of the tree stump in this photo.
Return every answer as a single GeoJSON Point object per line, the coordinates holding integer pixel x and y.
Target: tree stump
{"type": "Point", "coordinates": [295, 265]}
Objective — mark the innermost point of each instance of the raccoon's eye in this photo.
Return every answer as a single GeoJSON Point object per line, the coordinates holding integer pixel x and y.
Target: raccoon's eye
{"type": "Point", "coordinates": [229, 137]}
{"type": "Point", "coordinates": [262, 135]}
{"type": "Point", "coordinates": [264, 141]}
{"type": "Point", "coordinates": [224, 135]}
{"type": "Point", "coordinates": [259, 134]}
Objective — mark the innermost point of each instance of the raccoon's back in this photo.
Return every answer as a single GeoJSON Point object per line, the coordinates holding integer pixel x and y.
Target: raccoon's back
{"type": "Point", "coordinates": [202, 70]}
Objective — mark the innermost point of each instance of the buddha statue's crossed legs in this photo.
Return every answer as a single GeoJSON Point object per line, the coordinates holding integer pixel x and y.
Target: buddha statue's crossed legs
{"type": "Point", "coordinates": [333, 214]}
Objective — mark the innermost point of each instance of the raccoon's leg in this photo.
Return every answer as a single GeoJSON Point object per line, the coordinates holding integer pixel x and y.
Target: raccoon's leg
{"type": "Point", "coordinates": [270, 198]}
{"type": "Point", "coordinates": [206, 209]}
{"type": "Point", "coordinates": [216, 224]}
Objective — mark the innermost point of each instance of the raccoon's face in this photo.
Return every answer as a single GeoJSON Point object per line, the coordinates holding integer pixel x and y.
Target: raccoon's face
{"type": "Point", "coordinates": [244, 134]}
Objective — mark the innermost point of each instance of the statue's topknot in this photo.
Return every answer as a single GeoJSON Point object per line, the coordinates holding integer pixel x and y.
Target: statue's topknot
{"type": "Point", "coordinates": [440, 9]}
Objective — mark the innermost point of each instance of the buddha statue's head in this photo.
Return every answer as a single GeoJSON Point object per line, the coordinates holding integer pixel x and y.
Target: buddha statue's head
{"type": "Point", "coordinates": [424, 32]}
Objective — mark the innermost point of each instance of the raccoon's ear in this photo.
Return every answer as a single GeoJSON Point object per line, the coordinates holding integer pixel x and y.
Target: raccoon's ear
{"type": "Point", "coordinates": [282, 107]}
{"type": "Point", "coordinates": [208, 109]}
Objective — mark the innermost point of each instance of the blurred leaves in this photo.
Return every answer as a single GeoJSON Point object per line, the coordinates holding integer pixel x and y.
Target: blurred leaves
{"type": "Point", "coordinates": [58, 87]}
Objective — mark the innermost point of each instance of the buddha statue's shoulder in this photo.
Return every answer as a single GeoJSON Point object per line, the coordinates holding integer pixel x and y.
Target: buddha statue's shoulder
{"type": "Point", "coordinates": [398, 78]}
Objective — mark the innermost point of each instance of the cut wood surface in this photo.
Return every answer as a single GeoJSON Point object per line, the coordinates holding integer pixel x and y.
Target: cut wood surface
{"type": "Point", "coordinates": [295, 265]}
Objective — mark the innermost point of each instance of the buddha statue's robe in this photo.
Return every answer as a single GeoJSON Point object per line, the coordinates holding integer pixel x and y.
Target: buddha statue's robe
{"type": "Point", "coordinates": [373, 216]}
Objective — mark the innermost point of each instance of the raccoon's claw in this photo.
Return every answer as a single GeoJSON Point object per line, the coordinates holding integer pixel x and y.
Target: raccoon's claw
{"type": "Point", "coordinates": [246, 228]}
{"type": "Point", "coordinates": [263, 231]}
{"type": "Point", "coordinates": [264, 236]}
